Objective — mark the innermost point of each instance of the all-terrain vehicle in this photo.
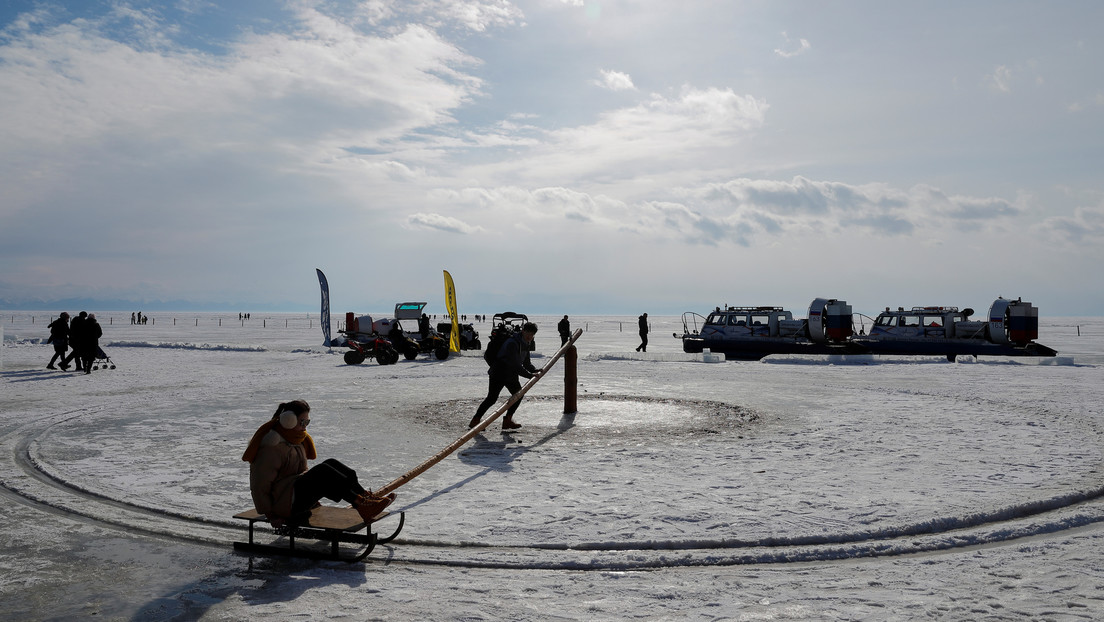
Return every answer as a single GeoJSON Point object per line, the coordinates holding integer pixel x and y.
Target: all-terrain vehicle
{"type": "Point", "coordinates": [469, 337]}
{"type": "Point", "coordinates": [364, 340]}
{"type": "Point", "coordinates": [509, 322]}
{"type": "Point", "coordinates": [411, 343]}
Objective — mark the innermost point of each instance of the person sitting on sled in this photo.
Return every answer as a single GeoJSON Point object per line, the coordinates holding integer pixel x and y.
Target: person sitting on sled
{"type": "Point", "coordinates": [283, 489]}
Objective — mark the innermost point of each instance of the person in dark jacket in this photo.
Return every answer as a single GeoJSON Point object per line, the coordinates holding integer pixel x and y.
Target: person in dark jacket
{"type": "Point", "coordinates": [91, 342]}
{"type": "Point", "coordinates": [76, 338]}
{"type": "Point", "coordinates": [511, 363]}
{"type": "Point", "coordinates": [643, 322]}
{"type": "Point", "coordinates": [59, 336]}
{"type": "Point", "coordinates": [564, 328]}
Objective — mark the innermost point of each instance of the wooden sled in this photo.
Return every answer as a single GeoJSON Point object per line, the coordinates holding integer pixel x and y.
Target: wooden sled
{"type": "Point", "coordinates": [325, 524]}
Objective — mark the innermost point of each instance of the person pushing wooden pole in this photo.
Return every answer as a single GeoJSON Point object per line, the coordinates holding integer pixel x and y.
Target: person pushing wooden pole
{"type": "Point", "coordinates": [458, 443]}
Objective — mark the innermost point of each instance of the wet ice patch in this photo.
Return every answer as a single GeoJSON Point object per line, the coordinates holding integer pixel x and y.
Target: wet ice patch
{"type": "Point", "coordinates": [611, 411]}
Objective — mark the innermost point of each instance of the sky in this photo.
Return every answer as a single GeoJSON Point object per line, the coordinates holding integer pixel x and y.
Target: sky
{"type": "Point", "coordinates": [554, 156]}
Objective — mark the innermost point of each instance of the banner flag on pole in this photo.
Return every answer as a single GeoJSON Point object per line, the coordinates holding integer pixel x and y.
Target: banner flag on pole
{"type": "Point", "coordinates": [450, 304]}
{"type": "Point", "coordinates": [325, 285]}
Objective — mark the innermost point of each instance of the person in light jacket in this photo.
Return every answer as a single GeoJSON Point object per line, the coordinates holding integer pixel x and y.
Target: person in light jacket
{"type": "Point", "coordinates": [283, 488]}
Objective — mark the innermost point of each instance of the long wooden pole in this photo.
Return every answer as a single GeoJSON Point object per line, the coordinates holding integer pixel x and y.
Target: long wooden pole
{"type": "Point", "coordinates": [458, 443]}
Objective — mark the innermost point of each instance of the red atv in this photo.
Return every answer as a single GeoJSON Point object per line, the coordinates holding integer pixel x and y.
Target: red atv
{"type": "Point", "coordinates": [366, 344]}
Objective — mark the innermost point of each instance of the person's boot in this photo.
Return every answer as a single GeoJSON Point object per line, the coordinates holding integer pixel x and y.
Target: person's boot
{"type": "Point", "coordinates": [369, 506]}
{"type": "Point", "coordinates": [474, 422]}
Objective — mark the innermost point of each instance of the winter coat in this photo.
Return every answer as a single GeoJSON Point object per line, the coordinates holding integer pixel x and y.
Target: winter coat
{"type": "Point", "coordinates": [59, 332]}
{"type": "Point", "coordinates": [513, 359]}
{"type": "Point", "coordinates": [92, 334]}
{"type": "Point", "coordinates": [77, 332]}
{"type": "Point", "coordinates": [273, 473]}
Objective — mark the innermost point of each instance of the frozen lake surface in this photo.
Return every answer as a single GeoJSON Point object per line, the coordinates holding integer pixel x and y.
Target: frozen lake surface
{"type": "Point", "coordinates": [791, 488]}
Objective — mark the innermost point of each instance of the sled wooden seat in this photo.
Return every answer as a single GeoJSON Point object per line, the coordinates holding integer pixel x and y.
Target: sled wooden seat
{"type": "Point", "coordinates": [325, 524]}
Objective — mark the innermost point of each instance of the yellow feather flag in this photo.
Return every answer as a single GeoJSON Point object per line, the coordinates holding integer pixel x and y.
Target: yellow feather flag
{"type": "Point", "coordinates": [450, 305]}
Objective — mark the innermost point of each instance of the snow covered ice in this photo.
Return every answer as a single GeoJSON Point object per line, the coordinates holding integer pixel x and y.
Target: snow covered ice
{"type": "Point", "coordinates": [791, 488]}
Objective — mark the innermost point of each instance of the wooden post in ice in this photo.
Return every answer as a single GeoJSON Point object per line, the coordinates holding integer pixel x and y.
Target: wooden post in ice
{"type": "Point", "coordinates": [571, 380]}
{"type": "Point", "coordinates": [441, 455]}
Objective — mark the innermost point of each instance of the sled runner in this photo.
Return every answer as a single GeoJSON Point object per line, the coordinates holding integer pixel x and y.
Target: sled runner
{"type": "Point", "coordinates": [325, 524]}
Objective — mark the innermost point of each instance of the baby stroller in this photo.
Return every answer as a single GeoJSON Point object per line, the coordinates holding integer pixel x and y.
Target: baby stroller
{"type": "Point", "coordinates": [102, 356]}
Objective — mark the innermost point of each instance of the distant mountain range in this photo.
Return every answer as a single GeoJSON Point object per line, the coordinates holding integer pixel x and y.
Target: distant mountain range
{"type": "Point", "coordinates": [94, 304]}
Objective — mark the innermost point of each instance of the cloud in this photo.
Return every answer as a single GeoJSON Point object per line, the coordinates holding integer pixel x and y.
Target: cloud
{"type": "Point", "coordinates": [1000, 80]}
{"type": "Point", "coordinates": [293, 92]}
{"type": "Point", "coordinates": [1085, 227]}
{"type": "Point", "coordinates": [615, 81]}
{"type": "Point", "coordinates": [1096, 101]}
{"type": "Point", "coordinates": [473, 15]}
{"type": "Point", "coordinates": [130, 148]}
{"type": "Point", "coordinates": [792, 48]}
{"type": "Point", "coordinates": [442, 223]}
{"type": "Point", "coordinates": [776, 207]}
{"type": "Point", "coordinates": [155, 148]}
{"type": "Point", "coordinates": [662, 133]}
{"type": "Point", "coordinates": [742, 212]}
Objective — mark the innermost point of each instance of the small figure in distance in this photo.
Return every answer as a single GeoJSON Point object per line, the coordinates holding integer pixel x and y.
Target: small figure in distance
{"type": "Point", "coordinates": [282, 487]}
{"type": "Point", "coordinates": [511, 362]}
{"type": "Point", "coordinates": [643, 322]}
{"type": "Point", "coordinates": [564, 328]}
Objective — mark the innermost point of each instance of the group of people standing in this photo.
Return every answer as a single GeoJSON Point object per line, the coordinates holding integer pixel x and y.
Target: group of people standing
{"type": "Point", "coordinates": [82, 334]}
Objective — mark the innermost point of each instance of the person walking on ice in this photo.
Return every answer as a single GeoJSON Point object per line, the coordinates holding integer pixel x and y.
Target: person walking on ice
{"type": "Point", "coordinates": [59, 336]}
{"type": "Point", "coordinates": [564, 328]}
{"type": "Point", "coordinates": [510, 363]}
{"type": "Point", "coordinates": [643, 322]}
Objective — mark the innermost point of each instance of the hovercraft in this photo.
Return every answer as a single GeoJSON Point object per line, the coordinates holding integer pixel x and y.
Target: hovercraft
{"type": "Point", "coordinates": [1009, 329]}
{"type": "Point", "coordinates": [751, 333]}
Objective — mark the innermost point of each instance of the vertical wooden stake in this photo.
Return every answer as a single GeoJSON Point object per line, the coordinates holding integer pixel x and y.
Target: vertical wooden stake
{"type": "Point", "coordinates": [571, 380]}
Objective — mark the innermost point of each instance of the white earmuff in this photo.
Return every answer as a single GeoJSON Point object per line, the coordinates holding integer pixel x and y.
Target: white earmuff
{"type": "Point", "coordinates": [289, 419]}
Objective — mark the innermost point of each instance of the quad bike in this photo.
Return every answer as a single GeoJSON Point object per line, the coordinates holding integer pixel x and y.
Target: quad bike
{"type": "Point", "coordinates": [509, 322]}
{"type": "Point", "coordinates": [411, 344]}
{"type": "Point", "coordinates": [373, 346]}
{"type": "Point", "coordinates": [469, 337]}
{"type": "Point", "coordinates": [364, 345]}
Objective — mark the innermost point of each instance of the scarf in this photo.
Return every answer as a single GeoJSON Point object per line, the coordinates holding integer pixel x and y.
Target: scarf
{"type": "Point", "coordinates": [293, 436]}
